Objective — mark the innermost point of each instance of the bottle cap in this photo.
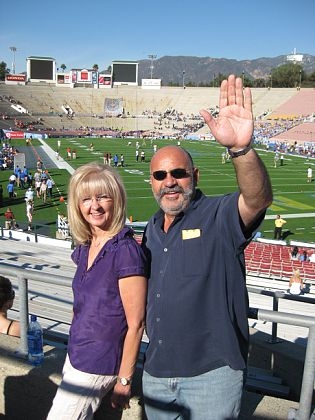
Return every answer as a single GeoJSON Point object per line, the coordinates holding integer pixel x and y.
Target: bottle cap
{"type": "Point", "coordinates": [33, 318]}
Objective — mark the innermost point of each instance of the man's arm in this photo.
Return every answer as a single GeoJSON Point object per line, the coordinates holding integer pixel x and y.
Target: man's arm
{"type": "Point", "coordinates": [233, 128]}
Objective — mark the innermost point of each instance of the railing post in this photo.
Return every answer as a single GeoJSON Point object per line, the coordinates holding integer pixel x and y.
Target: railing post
{"type": "Point", "coordinates": [23, 306]}
{"type": "Point", "coordinates": [274, 332]}
{"type": "Point", "coordinates": [35, 233]}
{"type": "Point", "coordinates": [305, 406]}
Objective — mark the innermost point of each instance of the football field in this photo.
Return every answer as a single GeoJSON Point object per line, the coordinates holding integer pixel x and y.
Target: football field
{"type": "Point", "coordinates": [294, 198]}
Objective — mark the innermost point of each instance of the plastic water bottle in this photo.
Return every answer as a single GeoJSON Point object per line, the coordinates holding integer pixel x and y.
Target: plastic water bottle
{"type": "Point", "coordinates": [35, 342]}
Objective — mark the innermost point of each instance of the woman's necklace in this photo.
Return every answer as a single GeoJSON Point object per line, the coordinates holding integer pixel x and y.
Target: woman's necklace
{"type": "Point", "coordinates": [96, 243]}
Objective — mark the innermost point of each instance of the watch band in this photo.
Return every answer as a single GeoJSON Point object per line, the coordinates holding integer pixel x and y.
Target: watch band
{"type": "Point", "coordinates": [240, 152]}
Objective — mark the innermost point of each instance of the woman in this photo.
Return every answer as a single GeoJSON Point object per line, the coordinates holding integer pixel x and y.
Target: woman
{"type": "Point", "coordinates": [109, 290]}
{"type": "Point", "coordinates": [7, 294]}
{"type": "Point", "coordinates": [296, 283]}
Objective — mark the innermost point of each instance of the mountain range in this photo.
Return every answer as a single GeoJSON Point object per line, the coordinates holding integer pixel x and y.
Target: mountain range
{"type": "Point", "coordinates": [203, 70]}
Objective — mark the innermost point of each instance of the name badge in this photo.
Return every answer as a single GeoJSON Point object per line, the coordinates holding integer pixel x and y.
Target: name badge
{"type": "Point", "coordinates": [191, 234]}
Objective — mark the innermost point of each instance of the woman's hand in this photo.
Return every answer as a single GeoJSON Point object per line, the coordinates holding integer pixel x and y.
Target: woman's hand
{"type": "Point", "coordinates": [121, 396]}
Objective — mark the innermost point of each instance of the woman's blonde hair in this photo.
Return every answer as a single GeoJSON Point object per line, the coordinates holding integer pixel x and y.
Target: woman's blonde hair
{"type": "Point", "coordinates": [89, 180]}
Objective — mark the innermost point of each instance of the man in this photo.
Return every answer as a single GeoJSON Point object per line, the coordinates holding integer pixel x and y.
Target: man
{"type": "Point", "coordinates": [279, 222]}
{"type": "Point", "coordinates": [197, 299]}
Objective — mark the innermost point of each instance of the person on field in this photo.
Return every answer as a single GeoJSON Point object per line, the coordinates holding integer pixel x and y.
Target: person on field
{"type": "Point", "coordinates": [279, 223]}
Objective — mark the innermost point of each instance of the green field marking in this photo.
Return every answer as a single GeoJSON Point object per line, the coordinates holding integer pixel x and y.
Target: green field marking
{"type": "Point", "coordinates": [282, 202]}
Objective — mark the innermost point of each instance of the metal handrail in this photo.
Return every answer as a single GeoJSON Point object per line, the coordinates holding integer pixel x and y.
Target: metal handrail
{"type": "Point", "coordinates": [276, 296]}
{"type": "Point", "coordinates": [305, 404]}
{"type": "Point", "coordinates": [23, 275]}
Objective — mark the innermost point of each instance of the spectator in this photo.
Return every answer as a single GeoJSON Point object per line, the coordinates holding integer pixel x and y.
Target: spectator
{"type": "Point", "coordinates": [197, 301]}
{"type": "Point", "coordinates": [304, 257]}
{"type": "Point", "coordinates": [29, 195]}
{"type": "Point", "coordinates": [12, 179]}
{"type": "Point", "coordinates": [109, 291]}
{"type": "Point", "coordinates": [296, 283]}
{"type": "Point", "coordinates": [295, 253]}
{"type": "Point", "coordinates": [29, 213]}
{"type": "Point", "coordinates": [30, 180]}
{"type": "Point", "coordinates": [39, 165]}
{"type": "Point", "coordinates": [7, 295]}
{"type": "Point", "coordinates": [10, 189]}
{"type": "Point", "coordinates": [38, 184]}
{"type": "Point", "coordinates": [10, 219]}
{"type": "Point", "coordinates": [50, 185]}
{"type": "Point", "coordinates": [43, 190]}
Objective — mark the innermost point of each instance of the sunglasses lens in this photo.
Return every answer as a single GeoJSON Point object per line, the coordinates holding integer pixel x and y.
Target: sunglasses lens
{"type": "Point", "coordinates": [179, 173]}
{"type": "Point", "coordinates": [159, 175]}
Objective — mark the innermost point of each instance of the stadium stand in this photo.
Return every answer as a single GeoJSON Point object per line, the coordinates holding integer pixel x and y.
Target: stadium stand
{"type": "Point", "coordinates": [273, 263]}
{"type": "Point", "coordinates": [168, 109]}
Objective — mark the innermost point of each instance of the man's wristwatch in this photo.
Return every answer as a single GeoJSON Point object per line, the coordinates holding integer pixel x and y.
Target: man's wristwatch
{"type": "Point", "coordinates": [123, 381]}
{"type": "Point", "coordinates": [240, 152]}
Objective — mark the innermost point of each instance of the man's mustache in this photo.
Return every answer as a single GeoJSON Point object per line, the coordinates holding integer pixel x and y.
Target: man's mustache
{"type": "Point", "coordinates": [175, 189]}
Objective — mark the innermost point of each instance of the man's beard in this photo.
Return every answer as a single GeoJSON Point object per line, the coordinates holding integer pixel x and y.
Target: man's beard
{"type": "Point", "coordinates": [181, 206]}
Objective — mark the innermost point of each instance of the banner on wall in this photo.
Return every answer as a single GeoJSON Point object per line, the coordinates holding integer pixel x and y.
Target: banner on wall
{"type": "Point", "coordinates": [113, 107]}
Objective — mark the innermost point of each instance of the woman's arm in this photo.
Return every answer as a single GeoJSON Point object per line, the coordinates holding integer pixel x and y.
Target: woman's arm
{"type": "Point", "coordinates": [133, 292]}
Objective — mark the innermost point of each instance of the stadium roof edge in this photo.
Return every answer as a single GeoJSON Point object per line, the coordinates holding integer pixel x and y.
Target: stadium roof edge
{"type": "Point", "coordinates": [40, 58]}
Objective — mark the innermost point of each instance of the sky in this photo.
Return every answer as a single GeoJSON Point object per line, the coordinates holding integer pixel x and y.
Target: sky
{"type": "Point", "coordinates": [80, 34]}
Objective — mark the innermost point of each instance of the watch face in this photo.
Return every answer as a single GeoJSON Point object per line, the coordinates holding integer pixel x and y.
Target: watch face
{"type": "Point", "coordinates": [124, 381]}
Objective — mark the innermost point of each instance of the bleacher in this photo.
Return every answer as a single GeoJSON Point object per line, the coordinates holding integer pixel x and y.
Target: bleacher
{"type": "Point", "coordinates": [270, 266]}
{"type": "Point", "coordinates": [88, 104]}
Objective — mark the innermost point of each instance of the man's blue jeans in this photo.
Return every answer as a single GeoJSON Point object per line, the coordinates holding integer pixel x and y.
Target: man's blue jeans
{"type": "Point", "coordinates": [215, 395]}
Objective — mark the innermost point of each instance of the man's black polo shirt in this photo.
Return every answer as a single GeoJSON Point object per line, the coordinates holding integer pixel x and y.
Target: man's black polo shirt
{"type": "Point", "coordinates": [197, 298]}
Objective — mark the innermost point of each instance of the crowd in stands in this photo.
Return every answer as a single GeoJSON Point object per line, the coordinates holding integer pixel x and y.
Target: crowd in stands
{"type": "Point", "coordinates": [172, 123]}
{"type": "Point", "coordinates": [7, 153]}
{"type": "Point", "coordinates": [265, 131]}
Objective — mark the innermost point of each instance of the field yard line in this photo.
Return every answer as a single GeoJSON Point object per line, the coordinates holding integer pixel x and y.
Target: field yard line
{"type": "Point", "coordinates": [290, 216]}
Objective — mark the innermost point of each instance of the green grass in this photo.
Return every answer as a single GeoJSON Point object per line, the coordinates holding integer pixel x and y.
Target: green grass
{"type": "Point", "coordinates": [292, 194]}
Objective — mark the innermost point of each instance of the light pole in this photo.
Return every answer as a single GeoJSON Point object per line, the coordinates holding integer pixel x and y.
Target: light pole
{"type": "Point", "coordinates": [183, 79]}
{"type": "Point", "coordinates": [152, 57]}
{"type": "Point", "coordinates": [13, 49]}
{"type": "Point", "coordinates": [243, 77]}
{"type": "Point", "coordinates": [300, 78]}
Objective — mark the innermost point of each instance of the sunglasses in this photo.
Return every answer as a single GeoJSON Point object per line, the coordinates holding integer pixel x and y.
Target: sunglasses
{"type": "Point", "coordinates": [177, 173]}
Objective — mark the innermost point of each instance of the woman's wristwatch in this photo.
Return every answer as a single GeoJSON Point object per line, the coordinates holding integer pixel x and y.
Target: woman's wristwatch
{"type": "Point", "coordinates": [123, 381]}
{"type": "Point", "coordinates": [240, 152]}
